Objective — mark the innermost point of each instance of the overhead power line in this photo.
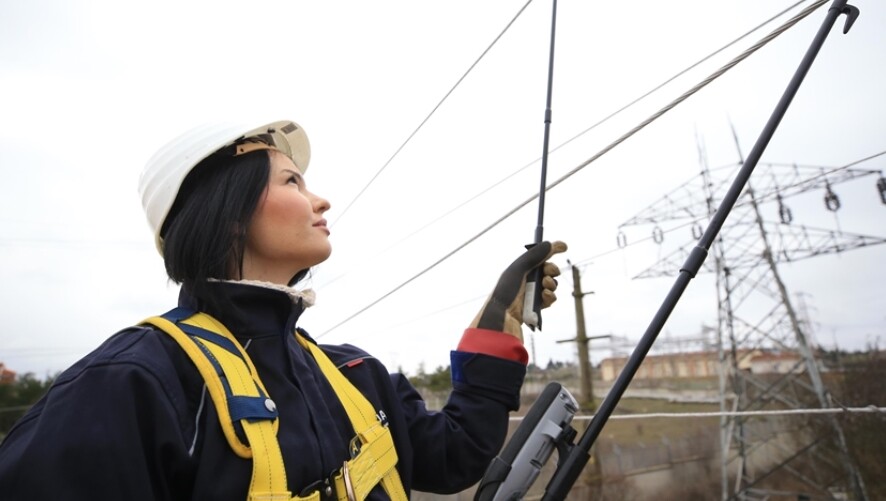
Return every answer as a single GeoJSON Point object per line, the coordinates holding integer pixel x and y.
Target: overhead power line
{"type": "Point", "coordinates": [697, 87]}
{"type": "Point", "coordinates": [586, 261]}
{"type": "Point", "coordinates": [563, 144]}
{"type": "Point", "coordinates": [690, 222]}
{"type": "Point", "coordinates": [428, 117]}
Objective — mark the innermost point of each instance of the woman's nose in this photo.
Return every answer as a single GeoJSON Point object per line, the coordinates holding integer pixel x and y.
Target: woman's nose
{"type": "Point", "coordinates": [321, 204]}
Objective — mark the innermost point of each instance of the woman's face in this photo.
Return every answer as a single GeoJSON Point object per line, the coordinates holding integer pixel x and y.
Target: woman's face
{"type": "Point", "coordinates": [288, 233]}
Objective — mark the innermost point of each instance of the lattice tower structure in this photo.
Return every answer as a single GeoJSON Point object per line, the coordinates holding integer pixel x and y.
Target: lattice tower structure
{"type": "Point", "coordinates": [756, 316]}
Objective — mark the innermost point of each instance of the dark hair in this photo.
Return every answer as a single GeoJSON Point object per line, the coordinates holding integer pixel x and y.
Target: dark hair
{"type": "Point", "coordinates": [204, 235]}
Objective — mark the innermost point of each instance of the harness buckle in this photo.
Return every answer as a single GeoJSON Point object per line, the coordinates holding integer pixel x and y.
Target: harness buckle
{"type": "Point", "coordinates": [349, 487]}
{"type": "Point", "coordinates": [355, 446]}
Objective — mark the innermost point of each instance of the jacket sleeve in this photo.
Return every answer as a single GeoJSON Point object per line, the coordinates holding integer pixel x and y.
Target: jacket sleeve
{"type": "Point", "coordinates": [102, 432]}
{"type": "Point", "coordinates": [454, 446]}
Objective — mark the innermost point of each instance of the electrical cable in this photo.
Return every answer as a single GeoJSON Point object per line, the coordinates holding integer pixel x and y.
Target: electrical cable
{"type": "Point", "coordinates": [585, 261]}
{"type": "Point", "coordinates": [561, 145]}
{"type": "Point", "coordinates": [697, 87]}
{"type": "Point", "coordinates": [870, 409]}
{"type": "Point", "coordinates": [434, 110]}
{"type": "Point", "coordinates": [681, 73]}
{"type": "Point", "coordinates": [696, 220]}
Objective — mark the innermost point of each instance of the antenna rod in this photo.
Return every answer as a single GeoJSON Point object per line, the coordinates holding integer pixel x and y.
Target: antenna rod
{"type": "Point", "coordinates": [532, 298]}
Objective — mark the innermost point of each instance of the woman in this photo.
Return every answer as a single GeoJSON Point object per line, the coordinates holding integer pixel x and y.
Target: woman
{"type": "Point", "coordinates": [138, 418]}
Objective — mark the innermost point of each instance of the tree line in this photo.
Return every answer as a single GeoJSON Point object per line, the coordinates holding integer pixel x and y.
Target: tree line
{"type": "Point", "coordinates": [18, 396]}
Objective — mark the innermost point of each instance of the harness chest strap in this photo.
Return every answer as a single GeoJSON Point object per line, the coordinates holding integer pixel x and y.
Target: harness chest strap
{"type": "Point", "coordinates": [377, 458]}
{"type": "Point", "coordinates": [239, 395]}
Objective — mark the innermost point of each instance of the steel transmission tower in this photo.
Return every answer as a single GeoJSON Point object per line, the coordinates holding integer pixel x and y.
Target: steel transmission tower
{"type": "Point", "coordinates": [756, 316]}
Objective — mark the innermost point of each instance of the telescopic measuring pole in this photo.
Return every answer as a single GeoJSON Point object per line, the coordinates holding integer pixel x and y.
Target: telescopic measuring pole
{"type": "Point", "coordinates": [570, 467]}
{"type": "Point", "coordinates": [532, 297]}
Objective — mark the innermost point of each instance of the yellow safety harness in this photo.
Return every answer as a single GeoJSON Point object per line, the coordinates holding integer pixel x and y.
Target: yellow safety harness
{"type": "Point", "coordinates": [239, 395]}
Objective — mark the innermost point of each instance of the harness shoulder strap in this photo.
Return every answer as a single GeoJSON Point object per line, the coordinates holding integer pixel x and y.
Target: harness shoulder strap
{"type": "Point", "coordinates": [238, 395]}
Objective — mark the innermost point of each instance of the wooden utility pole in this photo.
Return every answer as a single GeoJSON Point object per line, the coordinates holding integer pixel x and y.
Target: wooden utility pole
{"type": "Point", "coordinates": [586, 402]}
{"type": "Point", "coordinates": [581, 339]}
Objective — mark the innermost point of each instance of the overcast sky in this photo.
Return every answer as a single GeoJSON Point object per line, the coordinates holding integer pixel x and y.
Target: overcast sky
{"type": "Point", "coordinates": [91, 88]}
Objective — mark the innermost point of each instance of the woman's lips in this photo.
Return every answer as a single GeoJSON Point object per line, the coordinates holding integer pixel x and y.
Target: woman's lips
{"type": "Point", "coordinates": [322, 225]}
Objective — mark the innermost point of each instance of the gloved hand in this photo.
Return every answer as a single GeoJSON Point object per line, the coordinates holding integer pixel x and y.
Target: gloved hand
{"type": "Point", "coordinates": [503, 310]}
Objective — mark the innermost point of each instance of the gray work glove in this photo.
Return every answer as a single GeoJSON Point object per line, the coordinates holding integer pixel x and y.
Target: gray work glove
{"type": "Point", "coordinates": [503, 310]}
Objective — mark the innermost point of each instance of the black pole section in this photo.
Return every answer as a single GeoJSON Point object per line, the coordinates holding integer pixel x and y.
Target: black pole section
{"type": "Point", "coordinates": [570, 467]}
{"type": "Point", "coordinates": [537, 275]}
{"type": "Point", "coordinates": [539, 228]}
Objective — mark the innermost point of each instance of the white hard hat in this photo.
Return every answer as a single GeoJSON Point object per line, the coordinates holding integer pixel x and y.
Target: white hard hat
{"type": "Point", "coordinates": [166, 170]}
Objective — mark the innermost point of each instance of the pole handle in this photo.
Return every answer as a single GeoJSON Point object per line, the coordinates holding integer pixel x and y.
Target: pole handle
{"type": "Point", "coordinates": [532, 297]}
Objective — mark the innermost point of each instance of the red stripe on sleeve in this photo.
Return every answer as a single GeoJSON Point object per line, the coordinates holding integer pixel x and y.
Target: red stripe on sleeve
{"type": "Point", "coordinates": [493, 343]}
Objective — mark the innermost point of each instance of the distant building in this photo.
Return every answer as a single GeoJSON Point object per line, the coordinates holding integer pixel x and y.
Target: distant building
{"type": "Point", "coordinates": [6, 376]}
{"type": "Point", "coordinates": [671, 365]}
{"type": "Point", "coordinates": [700, 364]}
{"type": "Point", "coordinates": [777, 363]}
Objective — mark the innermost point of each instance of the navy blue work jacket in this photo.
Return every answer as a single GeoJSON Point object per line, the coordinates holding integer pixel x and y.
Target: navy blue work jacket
{"type": "Point", "coordinates": [132, 420]}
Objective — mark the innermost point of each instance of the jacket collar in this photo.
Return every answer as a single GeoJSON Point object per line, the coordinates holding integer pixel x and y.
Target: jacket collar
{"type": "Point", "coordinates": [250, 309]}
